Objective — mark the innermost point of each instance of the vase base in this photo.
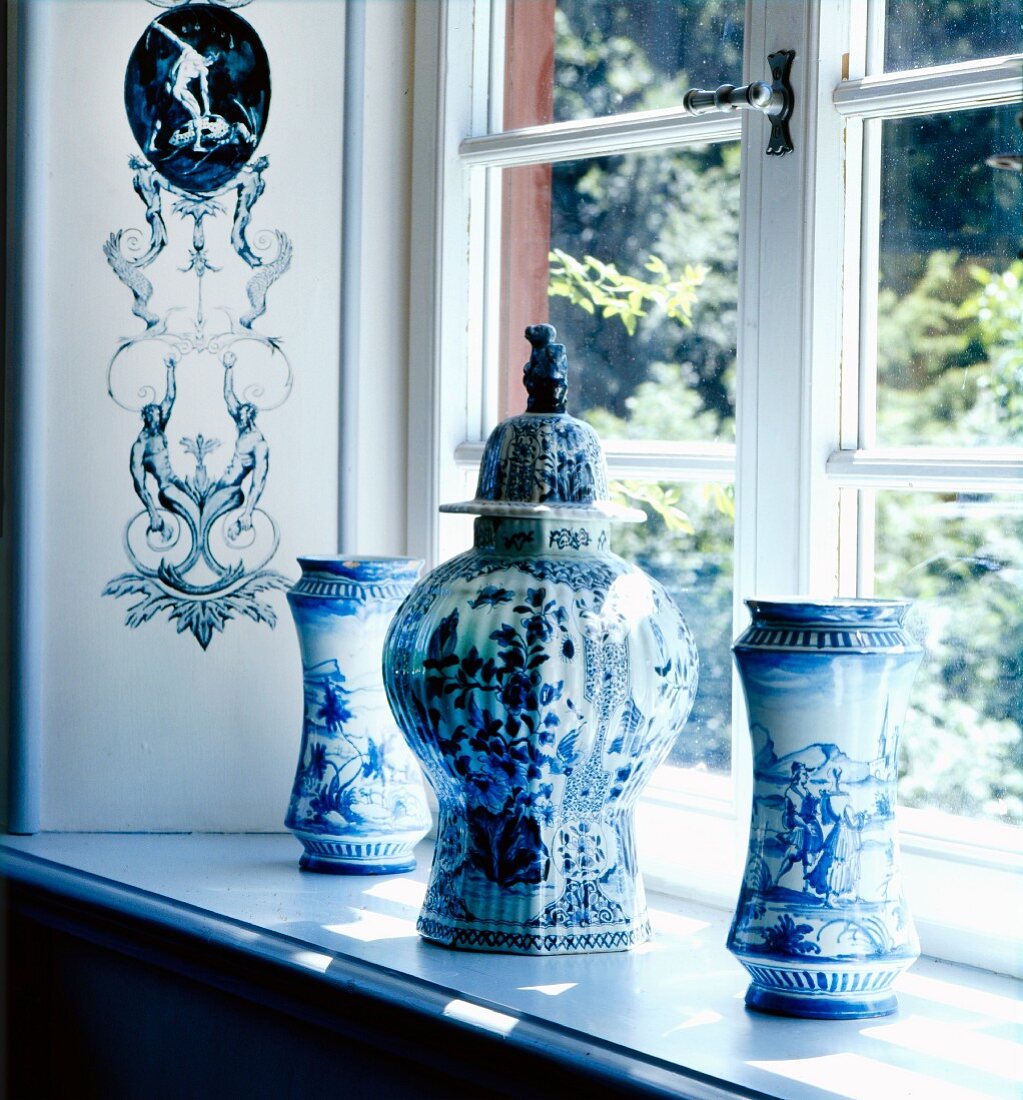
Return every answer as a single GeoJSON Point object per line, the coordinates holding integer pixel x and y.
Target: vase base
{"type": "Point", "coordinates": [327, 866]}
{"type": "Point", "coordinates": [777, 1003]}
{"type": "Point", "coordinates": [525, 940]}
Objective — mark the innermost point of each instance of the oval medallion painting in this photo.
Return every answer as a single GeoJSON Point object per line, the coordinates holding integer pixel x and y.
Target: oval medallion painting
{"type": "Point", "coordinates": [197, 93]}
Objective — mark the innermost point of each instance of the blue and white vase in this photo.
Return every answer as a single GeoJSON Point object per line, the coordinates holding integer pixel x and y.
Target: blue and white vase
{"type": "Point", "coordinates": [822, 924]}
{"type": "Point", "coordinates": [540, 679]}
{"type": "Point", "coordinates": [358, 804]}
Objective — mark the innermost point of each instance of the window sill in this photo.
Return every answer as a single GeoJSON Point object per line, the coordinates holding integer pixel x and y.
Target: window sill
{"type": "Point", "coordinates": [665, 1019]}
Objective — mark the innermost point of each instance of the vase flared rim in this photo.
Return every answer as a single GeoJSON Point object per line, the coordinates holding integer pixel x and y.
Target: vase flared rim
{"type": "Point", "coordinates": [364, 567]}
{"type": "Point", "coordinates": [841, 609]}
{"type": "Point", "coordinates": [559, 511]}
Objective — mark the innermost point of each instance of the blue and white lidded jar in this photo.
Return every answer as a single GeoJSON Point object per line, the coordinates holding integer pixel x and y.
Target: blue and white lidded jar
{"type": "Point", "coordinates": [358, 804]}
{"type": "Point", "coordinates": [822, 924]}
{"type": "Point", "coordinates": [540, 679]}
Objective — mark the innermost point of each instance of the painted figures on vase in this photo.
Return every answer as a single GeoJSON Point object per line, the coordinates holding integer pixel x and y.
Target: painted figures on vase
{"type": "Point", "coordinates": [821, 924]}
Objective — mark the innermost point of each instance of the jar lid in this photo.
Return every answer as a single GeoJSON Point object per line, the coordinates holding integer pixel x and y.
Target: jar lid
{"type": "Point", "coordinates": [544, 463]}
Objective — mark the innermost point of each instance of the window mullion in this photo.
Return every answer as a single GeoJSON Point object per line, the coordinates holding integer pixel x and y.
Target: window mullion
{"type": "Point", "coordinates": [450, 100]}
{"type": "Point", "coordinates": [790, 309]}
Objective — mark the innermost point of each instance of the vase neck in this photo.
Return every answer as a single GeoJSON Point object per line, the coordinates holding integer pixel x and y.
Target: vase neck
{"type": "Point", "coordinates": [794, 614]}
{"type": "Point", "coordinates": [529, 538]}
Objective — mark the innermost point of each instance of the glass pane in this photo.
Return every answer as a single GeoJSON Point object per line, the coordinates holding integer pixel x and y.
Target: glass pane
{"type": "Point", "coordinates": [941, 32]}
{"type": "Point", "coordinates": [961, 558]}
{"type": "Point", "coordinates": [575, 59]}
{"type": "Point", "coordinates": [950, 297]}
{"type": "Point", "coordinates": [634, 260]}
{"type": "Point", "coordinates": [686, 544]}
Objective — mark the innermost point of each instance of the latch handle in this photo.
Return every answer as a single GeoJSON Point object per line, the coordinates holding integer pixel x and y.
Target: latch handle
{"type": "Point", "coordinates": [774, 100]}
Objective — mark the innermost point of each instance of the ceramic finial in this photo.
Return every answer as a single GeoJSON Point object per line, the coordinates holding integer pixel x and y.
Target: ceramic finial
{"type": "Point", "coordinates": [546, 373]}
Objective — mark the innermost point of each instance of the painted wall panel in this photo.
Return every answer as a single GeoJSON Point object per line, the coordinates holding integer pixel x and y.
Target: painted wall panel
{"type": "Point", "coordinates": [142, 728]}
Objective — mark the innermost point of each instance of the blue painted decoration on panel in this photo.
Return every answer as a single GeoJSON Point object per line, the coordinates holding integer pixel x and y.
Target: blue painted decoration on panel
{"type": "Point", "coordinates": [197, 93]}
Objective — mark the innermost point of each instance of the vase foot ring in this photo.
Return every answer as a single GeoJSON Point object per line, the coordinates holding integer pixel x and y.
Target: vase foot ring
{"type": "Point", "coordinates": [819, 1008]}
{"type": "Point", "coordinates": [327, 866]}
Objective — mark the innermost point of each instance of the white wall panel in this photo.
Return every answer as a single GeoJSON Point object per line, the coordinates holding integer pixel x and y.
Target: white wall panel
{"type": "Point", "coordinates": [142, 728]}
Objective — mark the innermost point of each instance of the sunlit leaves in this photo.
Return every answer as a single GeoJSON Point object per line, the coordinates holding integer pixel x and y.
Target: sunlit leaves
{"type": "Point", "coordinates": [596, 285]}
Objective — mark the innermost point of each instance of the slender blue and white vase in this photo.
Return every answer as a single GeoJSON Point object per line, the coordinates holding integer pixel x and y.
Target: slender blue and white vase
{"type": "Point", "coordinates": [541, 679]}
{"type": "Point", "coordinates": [822, 925]}
{"type": "Point", "coordinates": [358, 804]}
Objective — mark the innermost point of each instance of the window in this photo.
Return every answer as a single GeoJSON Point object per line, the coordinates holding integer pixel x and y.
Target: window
{"type": "Point", "coordinates": [826, 380]}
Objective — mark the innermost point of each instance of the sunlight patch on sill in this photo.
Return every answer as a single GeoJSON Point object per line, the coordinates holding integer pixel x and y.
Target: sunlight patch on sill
{"type": "Point", "coordinates": [698, 1019]}
{"type": "Point", "coordinates": [990, 1005]}
{"type": "Point", "coordinates": [859, 1078]}
{"type": "Point", "coordinates": [674, 924]}
{"type": "Point", "coordinates": [313, 960]}
{"type": "Point", "coordinates": [951, 1043]}
{"type": "Point", "coordinates": [500, 1023]}
{"type": "Point", "coordinates": [549, 990]}
{"type": "Point", "coordinates": [401, 889]}
{"type": "Point", "coordinates": [369, 927]}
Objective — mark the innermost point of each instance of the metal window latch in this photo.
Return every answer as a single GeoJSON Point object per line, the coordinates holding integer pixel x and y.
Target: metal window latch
{"type": "Point", "coordinates": [774, 100]}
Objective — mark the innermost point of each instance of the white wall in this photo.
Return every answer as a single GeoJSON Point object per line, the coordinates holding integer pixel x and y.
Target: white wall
{"type": "Point", "coordinates": [140, 728]}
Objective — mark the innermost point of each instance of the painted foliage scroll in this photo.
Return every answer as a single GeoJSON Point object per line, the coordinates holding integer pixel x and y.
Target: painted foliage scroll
{"type": "Point", "coordinates": [199, 546]}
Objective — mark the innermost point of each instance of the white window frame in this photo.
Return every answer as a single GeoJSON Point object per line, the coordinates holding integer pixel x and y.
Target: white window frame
{"type": "Point", "coordinates": [802, 241]}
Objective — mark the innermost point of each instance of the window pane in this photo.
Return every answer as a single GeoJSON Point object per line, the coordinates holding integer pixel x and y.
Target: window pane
{"type": "Point", "coordinates": [941, 32]}
{"type": "Point", "coordinates": [950, 299]}
{"type": "Point", "coordinates": [575, 59]}
{"type": "Point", "coordinates": [961, 558]}
{"type": "Point", "coordinates": [691, 555]}
{"type": "Point", "coordinates": [633, 258]}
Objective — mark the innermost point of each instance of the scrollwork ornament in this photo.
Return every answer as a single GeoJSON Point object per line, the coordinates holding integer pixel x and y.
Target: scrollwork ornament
{"type": "Point", "coordinates": [197, 94]}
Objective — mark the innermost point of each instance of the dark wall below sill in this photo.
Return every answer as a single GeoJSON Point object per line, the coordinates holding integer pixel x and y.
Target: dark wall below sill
{"type": "Point", "coordinates": [108, 1004]}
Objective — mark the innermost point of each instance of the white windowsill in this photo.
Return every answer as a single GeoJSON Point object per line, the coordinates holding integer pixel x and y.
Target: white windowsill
{"type": "Point", "coordinates": [673, 1007]}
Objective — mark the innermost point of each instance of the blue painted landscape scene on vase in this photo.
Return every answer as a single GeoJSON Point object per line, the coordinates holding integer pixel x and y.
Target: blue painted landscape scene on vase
{"type": "Point", "coordinates": [350, 780]}
{"type": "Point", "coordinates": [822, 884]}
{"type": "Point", "coordinates": [358, 804]}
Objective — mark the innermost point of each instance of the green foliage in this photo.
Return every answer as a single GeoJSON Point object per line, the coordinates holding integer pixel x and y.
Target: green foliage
{"type": "Point", "coordinates": [950, 356]}
{"type": "Point", "coordinates": [996, 311]}
{"type": "Point", "coordinates": [918, 336]}
{"type": "Point", "coordinates": [662, 500]}
{"type": "Point", "coordinates": [595, 285]}
{"type": "Point", "coordinates": [666, 406]}
{"type": "Point", "coordinates": [961, 560]}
